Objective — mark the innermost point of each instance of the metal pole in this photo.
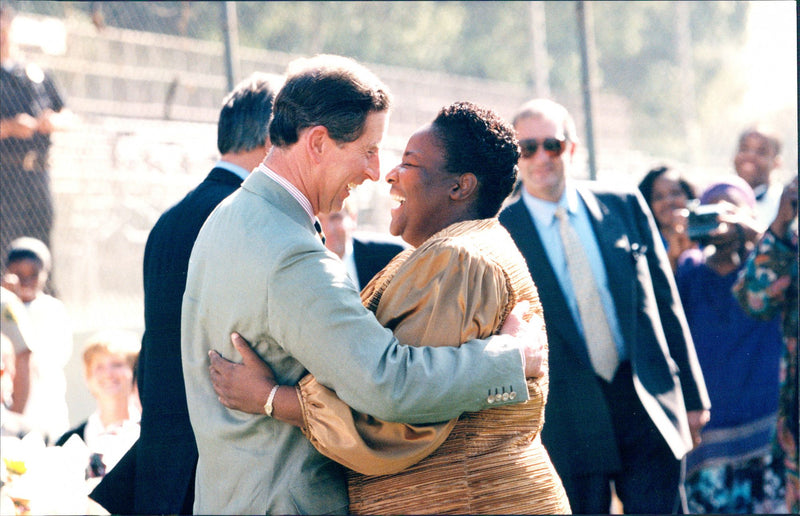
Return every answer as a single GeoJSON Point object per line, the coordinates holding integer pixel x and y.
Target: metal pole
{"type": "Point", "coordinates": [540, 63]}
{"type": "Point", "coordinates": [687, 81]}
{"type": "Point", "coordinates": [586, 40]}
{"type": "Point", "coordinates": [230, 29]}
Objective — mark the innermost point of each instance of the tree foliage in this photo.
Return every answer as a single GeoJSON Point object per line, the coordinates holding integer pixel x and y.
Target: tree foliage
{"type": "Point", "coordinates": [635, 43]}
{"type": "Point", "coordinates": [635, 46]}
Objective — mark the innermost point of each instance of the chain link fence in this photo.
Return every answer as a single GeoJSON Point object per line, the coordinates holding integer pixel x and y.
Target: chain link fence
{"type": "Point", "coordinates": [145, 90]}
{"type": "Point", "coordinates": [144, 82]}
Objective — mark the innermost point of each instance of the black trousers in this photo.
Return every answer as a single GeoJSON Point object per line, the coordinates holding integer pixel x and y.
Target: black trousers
{"type": "Point", "coordinates": [650, 481]}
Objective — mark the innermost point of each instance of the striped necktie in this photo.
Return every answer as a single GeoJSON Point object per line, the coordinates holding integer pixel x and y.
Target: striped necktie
{"type": "Point", "coordinates": [597, 333]}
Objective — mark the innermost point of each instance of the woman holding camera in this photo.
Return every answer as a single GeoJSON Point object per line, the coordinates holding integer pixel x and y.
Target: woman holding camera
{"type": "Point", "coordinates": [732, 469]}
{"type": "Point", "coordinates": [668, 194]}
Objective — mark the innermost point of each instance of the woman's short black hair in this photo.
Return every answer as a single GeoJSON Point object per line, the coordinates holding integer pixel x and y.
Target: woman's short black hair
{"type": "Point", "coordinates": [478, 141]}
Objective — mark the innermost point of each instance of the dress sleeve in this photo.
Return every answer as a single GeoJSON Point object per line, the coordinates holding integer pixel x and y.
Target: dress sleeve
{"type": "Point", "coordinates": [15, 323]}
{"type": "Point", "coordinates": [447, 295]}
{"type": "Point", "coordinates": [440, 294]}
{"type": "Point", "coordinates": [762, 283]}
{"type": "Point", "coordinates": [359, 441]}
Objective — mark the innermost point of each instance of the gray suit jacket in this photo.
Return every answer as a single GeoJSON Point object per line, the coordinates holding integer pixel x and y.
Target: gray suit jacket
{"type": "Point", "coordinates": [578, 432]}
{"type": "Point", "coordinates": [258, 268]}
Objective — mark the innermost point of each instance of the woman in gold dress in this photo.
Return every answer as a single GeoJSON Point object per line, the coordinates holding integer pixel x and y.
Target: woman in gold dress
{"type": "Point", "coordinates": [458, 283]}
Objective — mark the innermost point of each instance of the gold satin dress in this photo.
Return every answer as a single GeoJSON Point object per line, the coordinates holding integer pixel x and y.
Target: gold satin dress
{"type": "Point", "coordinates": [457, 286]}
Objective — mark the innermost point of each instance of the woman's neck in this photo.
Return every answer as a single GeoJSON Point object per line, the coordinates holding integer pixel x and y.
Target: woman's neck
{"type": "Point", "coordinates": [447, 219]}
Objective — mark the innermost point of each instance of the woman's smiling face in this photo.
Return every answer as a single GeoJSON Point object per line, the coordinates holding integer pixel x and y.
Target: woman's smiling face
{"type": "Point", "coordinates": [667, 199]}
{"type": "Point", "coordinates": [422, 188]}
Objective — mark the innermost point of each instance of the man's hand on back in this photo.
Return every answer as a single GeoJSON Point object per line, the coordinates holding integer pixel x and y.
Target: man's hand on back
{"type": "Point", "coordinates": [531, 335]}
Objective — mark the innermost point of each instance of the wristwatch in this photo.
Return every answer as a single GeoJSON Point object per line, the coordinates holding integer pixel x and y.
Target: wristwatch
{"type": "Point", "coordinates": [268, 405]}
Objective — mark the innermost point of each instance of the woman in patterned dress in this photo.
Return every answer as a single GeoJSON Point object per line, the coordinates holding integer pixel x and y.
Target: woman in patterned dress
{"type": "Point", "coordinates": [768, 285]}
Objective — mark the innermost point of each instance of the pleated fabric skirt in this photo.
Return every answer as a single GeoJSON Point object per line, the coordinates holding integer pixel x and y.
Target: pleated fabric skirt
{"type": "Point", "coordinates": [493, 462]}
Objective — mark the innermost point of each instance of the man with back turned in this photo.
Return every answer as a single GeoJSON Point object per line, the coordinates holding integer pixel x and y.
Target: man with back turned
{"type": "Point", "coordinates": [157, 474]}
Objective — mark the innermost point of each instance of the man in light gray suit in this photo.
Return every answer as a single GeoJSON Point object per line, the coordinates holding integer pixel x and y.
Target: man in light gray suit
{"type": "Point", "coordinates": [259, 268]}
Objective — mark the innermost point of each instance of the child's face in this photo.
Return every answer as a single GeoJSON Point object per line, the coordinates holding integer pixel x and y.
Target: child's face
{"type": "Point", "coordinates": [109, 375]}
{"type": "Point", "coordinates": [31, 277]}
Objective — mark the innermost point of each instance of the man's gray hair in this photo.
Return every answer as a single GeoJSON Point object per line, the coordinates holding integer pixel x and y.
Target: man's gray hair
{"type": "Point", "coordinates": [546, 108]}
{"type": "Point", "coordinates": [244, 118]}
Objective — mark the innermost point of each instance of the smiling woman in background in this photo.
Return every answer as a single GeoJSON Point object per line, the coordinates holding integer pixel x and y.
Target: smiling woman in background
{"type": "Point", "coordinates": [668, 194]}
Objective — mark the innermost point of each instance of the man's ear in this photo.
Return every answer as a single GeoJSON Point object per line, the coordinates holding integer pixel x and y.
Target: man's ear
{"type": "Point", "coordinates": [316, 138]}
{"type": "Point", "coordinates": [466, 186]}
{"type": "Point", "coordinates": [570, 150]}
{"type": "Point", "coordinates": [777, 161]}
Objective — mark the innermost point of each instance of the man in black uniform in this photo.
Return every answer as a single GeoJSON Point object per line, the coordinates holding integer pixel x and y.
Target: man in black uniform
{"type": "Point", "coordinates": [29, 107]}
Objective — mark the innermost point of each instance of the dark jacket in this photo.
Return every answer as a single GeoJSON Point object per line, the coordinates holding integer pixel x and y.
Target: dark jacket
{"type": "Point", "coordinates": [578, 431]}
{"type": "Point", "coordinates": [156, 476]}
{"type": "Point", "coordinates": [371, 254]}
{"type": "Point", "coordinates": [79, 430]}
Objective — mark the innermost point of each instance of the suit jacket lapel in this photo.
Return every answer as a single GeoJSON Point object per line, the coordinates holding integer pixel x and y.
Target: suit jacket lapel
{"type": "Point", "coordinates": [558, 317]}
{"type": "Point", "coordinates": [611, 232]}
{"type": "Point", "coordinates": [259, 184]}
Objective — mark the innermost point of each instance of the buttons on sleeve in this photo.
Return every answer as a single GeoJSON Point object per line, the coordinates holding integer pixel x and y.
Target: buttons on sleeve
{"type": "Point", "coordinates": [501, 395]}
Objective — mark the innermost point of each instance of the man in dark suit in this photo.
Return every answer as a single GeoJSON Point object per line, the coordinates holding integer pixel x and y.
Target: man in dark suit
{"type": "Point", "coordinates": [627, 397]}
{"type": "Point", "coordinates": [157, 474]}
{"type": "Point", "coordinates": [363, 254]}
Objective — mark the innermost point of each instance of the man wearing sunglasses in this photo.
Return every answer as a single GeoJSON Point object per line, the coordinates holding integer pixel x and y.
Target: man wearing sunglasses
{"type": "Point", "coordinates": [627, 396]}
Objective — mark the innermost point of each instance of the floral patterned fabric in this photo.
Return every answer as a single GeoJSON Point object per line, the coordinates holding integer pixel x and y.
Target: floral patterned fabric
{"type": "Point", "coordinates": [751, 487]}
{"type": "Point", "coordinates": [768, 285]}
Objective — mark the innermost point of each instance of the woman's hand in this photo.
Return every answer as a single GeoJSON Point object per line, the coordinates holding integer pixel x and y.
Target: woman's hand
{"type": "Point", "coordinates": [244, 386]}
{"type": "Point", "coordinates": [737, 225]}
{"type": "Point", "coordinates": [10, 282]}
{"type": "Point", "coordinates": [677, 239]}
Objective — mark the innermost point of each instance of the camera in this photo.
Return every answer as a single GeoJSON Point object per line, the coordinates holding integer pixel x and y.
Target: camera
{"type": "Point", "coordinates": [702, 220]}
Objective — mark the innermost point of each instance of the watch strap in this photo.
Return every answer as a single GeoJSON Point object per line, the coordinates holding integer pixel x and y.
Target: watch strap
{"type": "Point", "coordinates": [268, 408]}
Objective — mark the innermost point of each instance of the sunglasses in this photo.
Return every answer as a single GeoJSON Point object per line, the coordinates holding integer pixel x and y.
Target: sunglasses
{"type": "Point", "coordinates": [552, 146]}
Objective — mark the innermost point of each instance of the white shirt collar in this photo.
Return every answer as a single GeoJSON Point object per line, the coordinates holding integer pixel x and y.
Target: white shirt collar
{"type": "Point", "coordinates": [95, 428]}
{"type": "Point", "coordinates": [293, 191]}
{"type": "Point", "coordinates": [241, 172]}
{"type": "Point", "coordinates": [544, 211]}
